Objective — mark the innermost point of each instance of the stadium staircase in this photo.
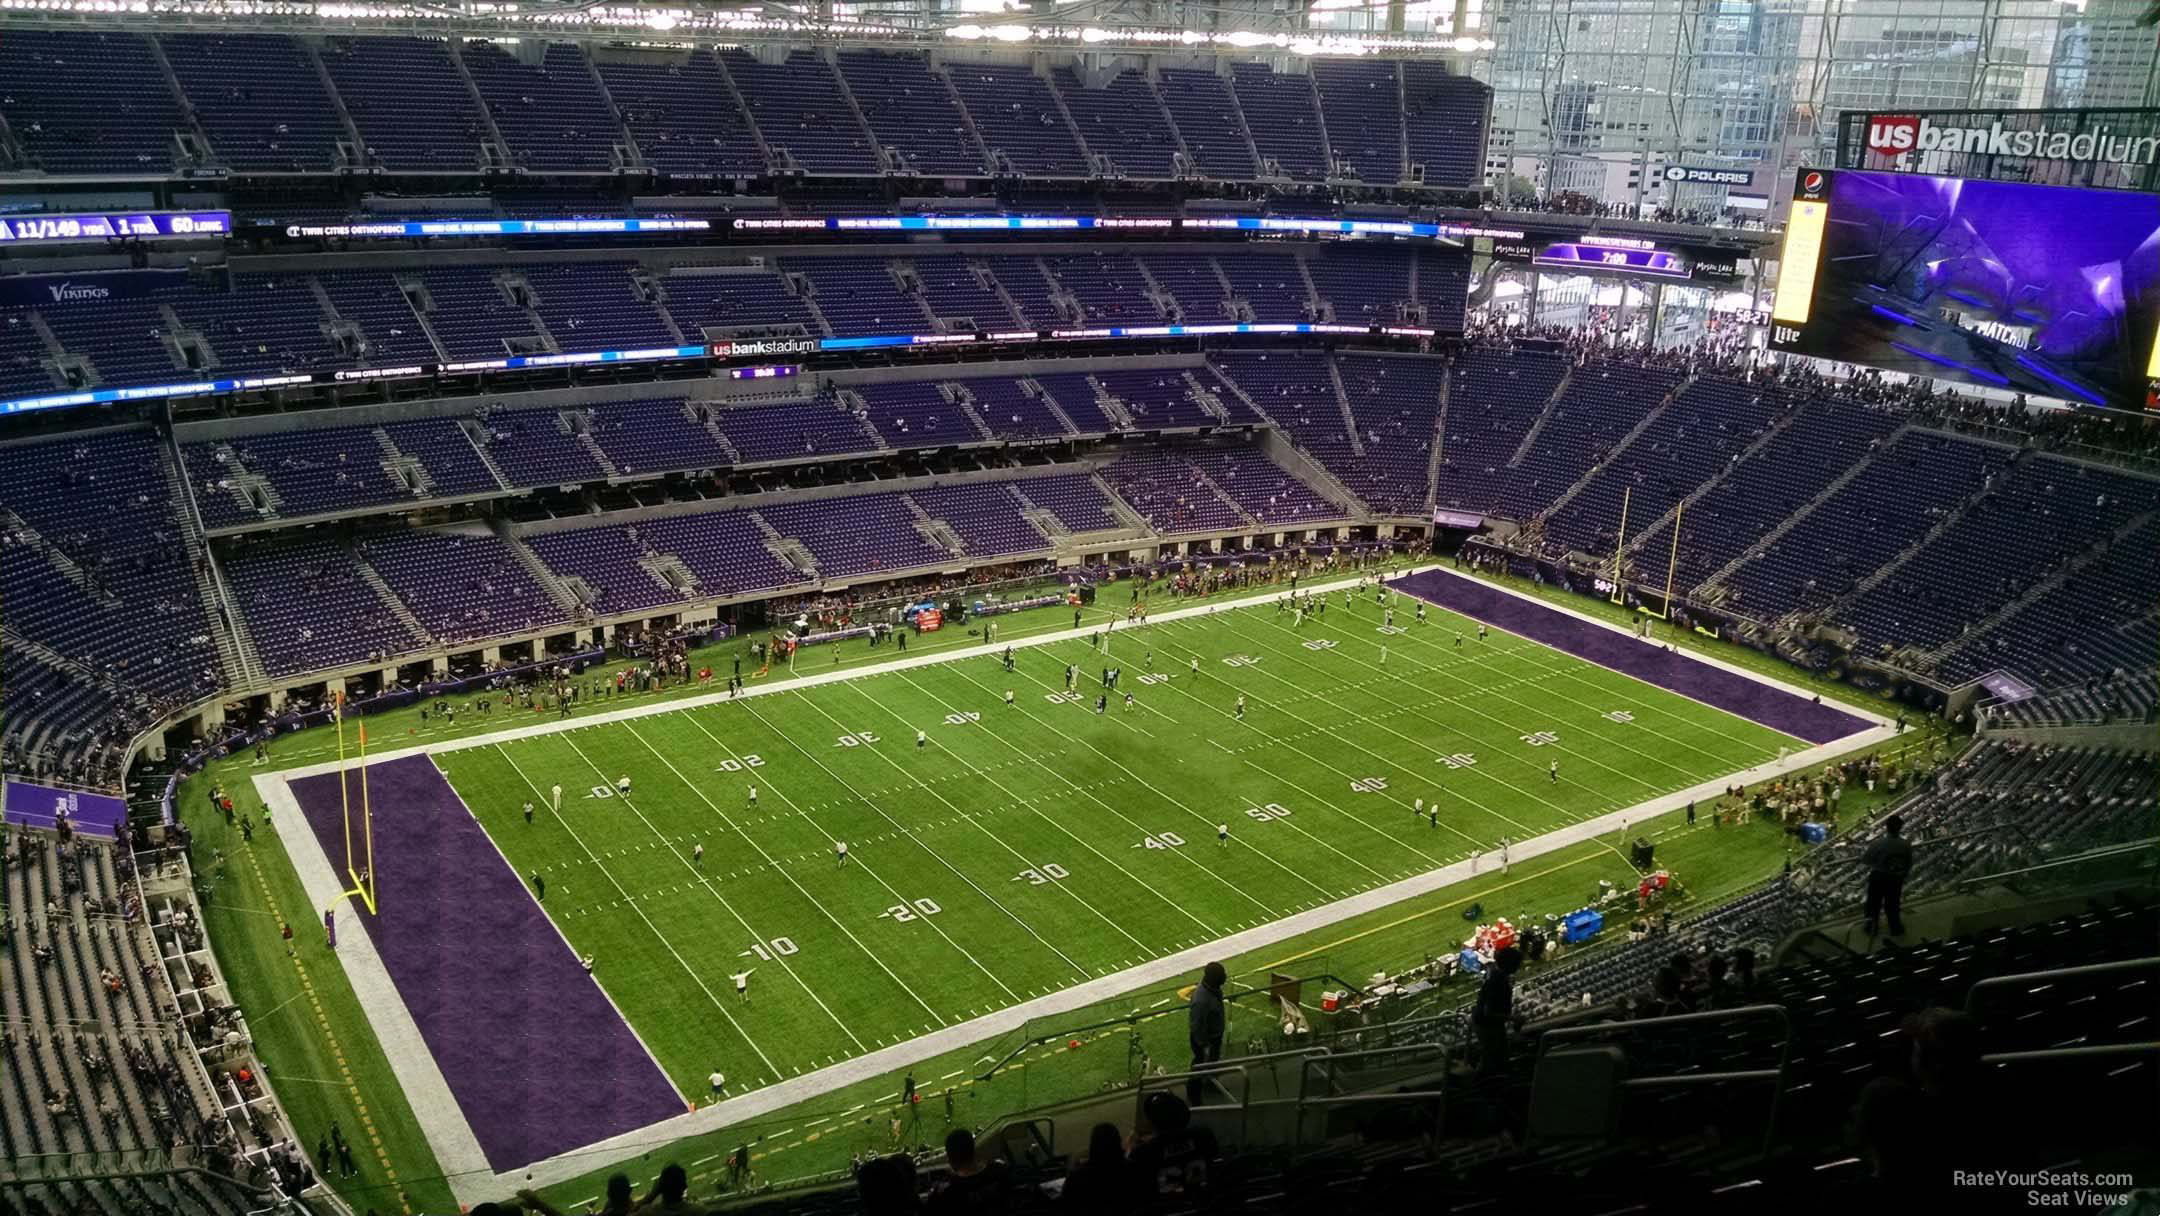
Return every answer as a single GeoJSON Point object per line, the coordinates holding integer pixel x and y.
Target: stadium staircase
{"type": "Point", "coordinates": [934, 530]}
{"type": "Point", "coordinates": [975, 135]}
{"type": "Point", "coordinates": [557, 592]}
{"type": "Point", "coordinates": [1034, 388]}
{"type": "Point", "coordinates": [1439, 435]}
{"type": "Point", "coordinates": [1206, 398]}
{"type": "Point", "coordinates": [1712, 589]}
{"type": "Point", "coordinates": [963, 400]}
{"type": "Point", "coordinates": [391, 603]}
{"type": "Point", "coordinates": [476, 434]}
{"type": "Point", "coordinates": [405, 470]}
{"type": "Point", "coordinates": [1656, 527]}
{"type": "Point", "coordinates": [1327, 146]}
{"type": "Point", "coordinates": [1318, 306]}
{"type": "Point", "coordinates": [422, 304]}
{"type": "Point", "coordinates": [786, 548]}
{"type": "Point", "coordinates": [579, 424]}
{"type": "Point", "coordinates": [741, 105]}
{"type": "Point", "coordinates": [1113, 405]}
{"type": "Point", "coordinates": [1238, 390]}
{"type": "Point", "coordinates": [1537, 425]}
{"type": "Point", "coordinates": [194, 142]}
{"type": "Point", "coordinates": [1656, 412]}
{"type": "Point", "coordinates": [1943, 524]}
{"type": "Point", "coordinates": [2120, 542]}
{"type": "Point", "coordinates": [1342, 402]}
{"type": "Point", "coordinates": [997, 286]}
{"type": "Point", "coordinates": [1132, 519]}
{"type": "Point", "coordinates": [1101, 163]}
{"type": "Point", "coordinates": [1283, 451]}
{"type": "Point", "coordinates": [353, 148]}
{"type": "Point", "coordinates": [236, 651]}
{"type": "Point", "coordinates": [495, 150]}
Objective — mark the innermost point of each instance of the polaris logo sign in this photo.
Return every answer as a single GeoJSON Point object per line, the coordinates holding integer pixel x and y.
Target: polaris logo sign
{"type": "Point", "coordinates": [63, 293]}
{"type": "Point", "coordinates": [1898, 134]}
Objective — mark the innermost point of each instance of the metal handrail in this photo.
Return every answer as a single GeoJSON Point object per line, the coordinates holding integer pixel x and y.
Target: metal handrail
{"type": "Point", "coordinates": [2022, 978]}
{"type": "Point", "coordinates": [2143, 845]}
{"type": "Point", "coordinates": [1238, 1066]}
{"type": "Point", "coordinates": [1776, 1013]}
{"type": "Point", "coordinates": [1328, 1100]}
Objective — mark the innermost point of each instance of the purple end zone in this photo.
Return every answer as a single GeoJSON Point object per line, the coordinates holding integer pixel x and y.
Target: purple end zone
{"type": "Point", "coordinates": [537, 1058]}
{"type": "Point", "coordinates": [1736, 694]}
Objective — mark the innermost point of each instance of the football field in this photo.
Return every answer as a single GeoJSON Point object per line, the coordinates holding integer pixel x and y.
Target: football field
{"type": "Point", "coordinates": [997, 852]}
{"type": "Point", "coordinates": [1001, 850]}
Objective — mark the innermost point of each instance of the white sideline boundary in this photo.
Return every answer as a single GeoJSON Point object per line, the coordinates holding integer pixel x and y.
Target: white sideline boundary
{"type": "Point", "coordinates": [450, 1136]}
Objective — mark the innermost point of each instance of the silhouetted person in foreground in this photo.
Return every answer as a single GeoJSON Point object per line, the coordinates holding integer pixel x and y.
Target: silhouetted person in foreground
{"type": "Point", "coordinates": [1207, 1023]}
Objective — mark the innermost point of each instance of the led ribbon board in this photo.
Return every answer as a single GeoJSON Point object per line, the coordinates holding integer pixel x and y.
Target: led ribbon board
{"type": "Point", "coordinates": [405, 229]}
{"type": "Point", "coordinates": [113, 225]}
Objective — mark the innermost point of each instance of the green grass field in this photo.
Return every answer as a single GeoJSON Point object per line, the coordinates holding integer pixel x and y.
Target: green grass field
{"type": "Point", "coordinates": [1333, 736]}
{"type": "Point", "coordinates": [1013, 850]}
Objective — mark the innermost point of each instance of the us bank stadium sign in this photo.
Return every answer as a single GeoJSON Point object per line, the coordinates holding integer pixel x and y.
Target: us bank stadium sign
{"type": "Point", "coordinates": [2110, 149]}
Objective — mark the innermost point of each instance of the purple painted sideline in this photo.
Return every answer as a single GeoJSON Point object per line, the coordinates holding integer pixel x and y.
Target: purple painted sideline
{"type": "Point", "coordinates": [536, 1056]}
{"type": "Point", "coordinates": [30, 805]}
{"type": "Point", "coordinates": [1736, 694]}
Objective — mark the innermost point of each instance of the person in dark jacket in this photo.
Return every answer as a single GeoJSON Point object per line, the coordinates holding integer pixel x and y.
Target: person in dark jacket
{"type": "Point", "coordinates": [1102, 1183]}
{"type": "Point", "coordinates": [1888, 861]}
{"type": "Point", "coordinates": [1495, 1008]}
{"type": "Point", "coordinates": [1206, 1025]}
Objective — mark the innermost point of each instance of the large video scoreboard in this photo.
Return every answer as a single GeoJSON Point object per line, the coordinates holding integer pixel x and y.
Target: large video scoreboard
{"type": "Point", "coordinates": [2048, 291]}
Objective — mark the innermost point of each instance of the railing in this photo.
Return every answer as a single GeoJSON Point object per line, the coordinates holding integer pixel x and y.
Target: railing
{"type": "Point", "coordinates": [1428, 1058]}
{"type": "Point", "coordinates": [1777, 1075]}
{"type": "Point", "coordinates": [2132, 855]}
{"type": "Point", "coordinates": [2049, 981]}
{"type": "Point", "coordinates": [1242, 1069]}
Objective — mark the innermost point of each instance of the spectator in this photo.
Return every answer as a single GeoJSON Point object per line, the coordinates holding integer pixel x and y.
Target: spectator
{"type": "Point", "coordinates": [668, 1195]}
{"type": "Point", "coordinates": [1888, 860]}
{"type": "Point", "coordinates": [617, 1203]}
{"type": "Point", "coordinates": [1170, 1156]}
{"type": "Point", "coordinates": [1495, 1007]}
{"type": "Point", "coordinates": [1102, 1183]}
{"type": "Point", "coordinates": [974, 1185]}
{"type": "Point", "coordinates": [886, 1185]}
{"type": "Point", "coordinates": [1205, 1025]}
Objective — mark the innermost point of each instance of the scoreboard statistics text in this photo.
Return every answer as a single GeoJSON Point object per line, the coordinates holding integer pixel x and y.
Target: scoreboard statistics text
{"type": "Point", "coordinates": [113, 225]}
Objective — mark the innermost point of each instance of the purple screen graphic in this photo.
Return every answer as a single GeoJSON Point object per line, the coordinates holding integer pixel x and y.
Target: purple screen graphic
{"type": "Point", "coordinates": [37, 806]}
{"type": "Point", "coordinates": [2037, 289]}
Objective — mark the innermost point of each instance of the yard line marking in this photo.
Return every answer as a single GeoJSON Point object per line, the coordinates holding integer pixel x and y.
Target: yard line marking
{"type": "Point", "coordinates": [1000, 737]}
{"type": "Point", "coordinates": [909, 833]}
{"type": "Point", "coordinates": [694, 976]}
{"type": "Point", "coordinates": [1464, 705]}
{"type": "Point", "coordinates": [791, 881]}
{"type": "Point", "coordinates": [1022, 858]}
{"type": "Point", "coordinates": [1526, 792]}
{"type": "Point", "coordinates": [1575, 671]}
{"type": "Point", "coordinates": [1179, 804]}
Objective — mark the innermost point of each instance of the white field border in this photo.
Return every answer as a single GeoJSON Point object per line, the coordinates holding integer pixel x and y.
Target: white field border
{"type": "Point", "coordinates": [449, 1134]}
